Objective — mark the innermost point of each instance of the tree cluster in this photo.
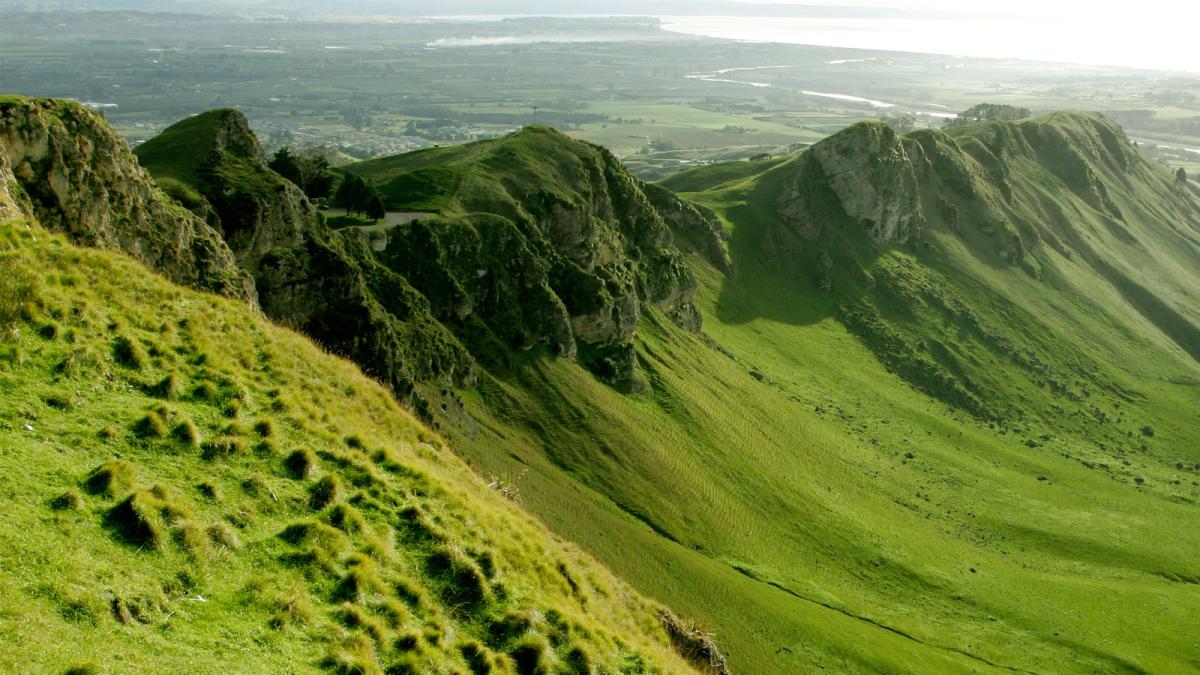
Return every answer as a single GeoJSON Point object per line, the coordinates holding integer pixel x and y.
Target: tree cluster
{"type": "Point", "coordinates": [308, 171]}
{"type": "Point", "coordinates": [984, 112]}
{"type": "Point", "coordinates": [358, 196]}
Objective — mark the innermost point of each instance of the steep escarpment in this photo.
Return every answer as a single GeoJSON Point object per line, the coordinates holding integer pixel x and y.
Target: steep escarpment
{"type": "Point", "coordinates": [79, 177]}
{"type": "Point", "coordinates": [308, 276]}
{"type": "Point", "coordinates": [178, 466]}
{"type": "Point", "coordinates": [876, 221]}
{"type": "Point", "coordinates": [543, 240]}
{"type": "Point", "coordinates": [863, 173]}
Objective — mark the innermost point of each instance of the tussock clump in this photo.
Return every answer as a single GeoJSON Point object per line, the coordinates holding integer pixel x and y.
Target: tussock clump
{"type": "Point", "coordinates": [347, 518]}
{"type": "Point", "coordinates": [83, 669]}
{"type": "Point", "coordinates": [694, 644]}
{"type": "Point", "coordinates": [326, 491]}
{"type": "Point", "coordinates": [413, 594]}
{"type": "Point", "coordinates": [151, 426]}
{"type": "Point", "coordinates": [533, 655]}
{"type": "Point", "coordinates": [511, 626]}
{"type": "Point", "coordinates": [67, 501]}
{"type": "Point", "coordinates": [121, 611]}
{"type": "Point", "coordinates": [579, 660]}
{"type": "Point", "coordinates": [205, 391]}
{"type": "Point", "coordinates": [193, 539]}
{"type": "Point", "coordinates": [355, 617]}
{"type": "Point", "coordinates": [129, 353]}
{"type": "Point", "coordinates": [301, 464]}
{"type": "Point", "coordinates": [317, 533]}
{"type": "Point", "coordinates": [110, 478]}
{"type": "Point", "coordinates": [222, 447]}
{"type": "Point", "coordinates": [396, 612]}
{"type": "Point", "coordinates": [408, 642]}
{"type": "Point", "coordinates": [81, 360]}
{"type": "Point", "coordinates": [416, 525]}
{"type": "Point", "coordinates": [361, 580]}
{"type": "Point", "coordinates": [292, 607]}
{"type": "Point", "coordinates": [266, 448]}
{"type": "Point", "coordinates": [264, 427]}
{"type": "Point", "coordinates": [59, 402]}
{"type": "Point", "coordinates": [48, 331]}
{"type": "Point", "coordinates": [482, 660]}
{"type": "Point", "coordinates": [168, 388]}
{"type": "Point", "coordinates": [18, 289]}
{"type": "Point", "coordinates": [138, 520]}
{"type": "Point", "coordinates": [187, 433]}
{"type": "Point", "coordinates": [354, 656]}
{"type": "Point", "coordinates": [209, 490]}
{"type": "Point", "coordinates": [463, 581]}
{"type": "Point", "coordinates": [222, 535]}
{"type": "Point", "coordinates": [255, 486]}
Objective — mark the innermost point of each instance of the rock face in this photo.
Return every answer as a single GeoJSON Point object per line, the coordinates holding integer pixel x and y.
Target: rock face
{"type": "Point", "coordinates": [863, 174]}
{"type": "Point", "coordinates": [548, 241]}
{"type": "Point", "coordinates": [77, 176]}
{"type": "Point", "coordinates": [307, 275]}
{"type": "Point", "coordinates": [13, 202]}
{"type": "Point", "coordinates": [551, 243]}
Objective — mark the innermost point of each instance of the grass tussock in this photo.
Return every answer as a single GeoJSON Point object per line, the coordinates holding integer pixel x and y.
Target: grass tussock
{"type": "Point", "coordinates": [110, 478]}
{"type": "Point", "coordinates": [301, 464]}
{"type": "Point", "coordinates": [187, 433]}
{"type": "Point", "coordinates": [67, 501]}
{"type": "Point", "coordinates": [169, 388]}
{"type": "Point", "coordinates": [128, 352]}
{"type": "Point", "coordinates": [152, 425]}
{"type": "Point", "coordinates": [326, 491]}
{"type": "Point", "coordinates": [339, 558]}
{"type": "Point", "coordinates": [696, 645]}
{"type": "Point", "coordinates": [223, 447]}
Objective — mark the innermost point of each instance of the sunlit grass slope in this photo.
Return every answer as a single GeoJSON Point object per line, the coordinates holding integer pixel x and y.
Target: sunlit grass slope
{"type": "Point", "coordinates": [188, 488]}
{"type": "Point", "coordinates": [820, 506]}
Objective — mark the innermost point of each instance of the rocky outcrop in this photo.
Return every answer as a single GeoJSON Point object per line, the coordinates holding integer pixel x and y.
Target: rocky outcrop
{"type": "Point", "coordinates": [550, 241]}
{"type": "Point", "coordinates": [694, 225]}
{"type": "Point", "coordinates": [308, 276]}
{"type": "Point", "coordinates": [13, 202]}
{"type": "Point", "coordinates": [870, 176]}
{"type": "Point", "coordinates": [78, 177]}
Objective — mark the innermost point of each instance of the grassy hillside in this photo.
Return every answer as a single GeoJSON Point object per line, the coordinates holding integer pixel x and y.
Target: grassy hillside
{"type": "Point", "coordinates": [812, 486]}
{"type": "Point", "coordinates": [191, 488]}
{"type": "Point", "coordinates": [940, 420]}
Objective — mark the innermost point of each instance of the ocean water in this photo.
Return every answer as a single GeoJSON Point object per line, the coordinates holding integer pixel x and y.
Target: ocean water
{"type": "Point", "coordinates": [1148, 40]}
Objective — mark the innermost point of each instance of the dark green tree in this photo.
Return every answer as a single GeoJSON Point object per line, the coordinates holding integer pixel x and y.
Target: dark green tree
{"type": "Point", "coordinates": [989, 111]}
{"type": "Point", "coordinates": [309, 171]}
{"type": "Point", "coordinates": [352, 194]}
{"type": "Point", "coordinates": [1181, 176]}
{"type": "Point", "coordinates": [375, 209]}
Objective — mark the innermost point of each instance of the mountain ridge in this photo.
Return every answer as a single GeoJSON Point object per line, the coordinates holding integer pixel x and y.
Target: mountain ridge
{"type": "Point", "coordinates": [921, 422]}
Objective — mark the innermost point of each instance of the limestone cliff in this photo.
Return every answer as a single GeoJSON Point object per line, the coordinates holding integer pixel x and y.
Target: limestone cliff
{"type": "Point", "coordinates": [869, 174]}
{"type": "Point", "coordinates": [78, 176]}
{"type": "Point", "coordinates": [542, 239]}
{"type": "Point", "coordinates": [308, 276]}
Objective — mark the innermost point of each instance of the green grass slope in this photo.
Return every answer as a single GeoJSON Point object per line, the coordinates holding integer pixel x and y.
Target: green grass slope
{"type": "Point", "coordinates": [971, 452]}
{"type": "Point", "coordinates": [189, 488]}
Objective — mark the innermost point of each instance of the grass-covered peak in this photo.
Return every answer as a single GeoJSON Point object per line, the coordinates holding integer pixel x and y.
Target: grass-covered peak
{"type": "Point", "coordinates": [181, 150]}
